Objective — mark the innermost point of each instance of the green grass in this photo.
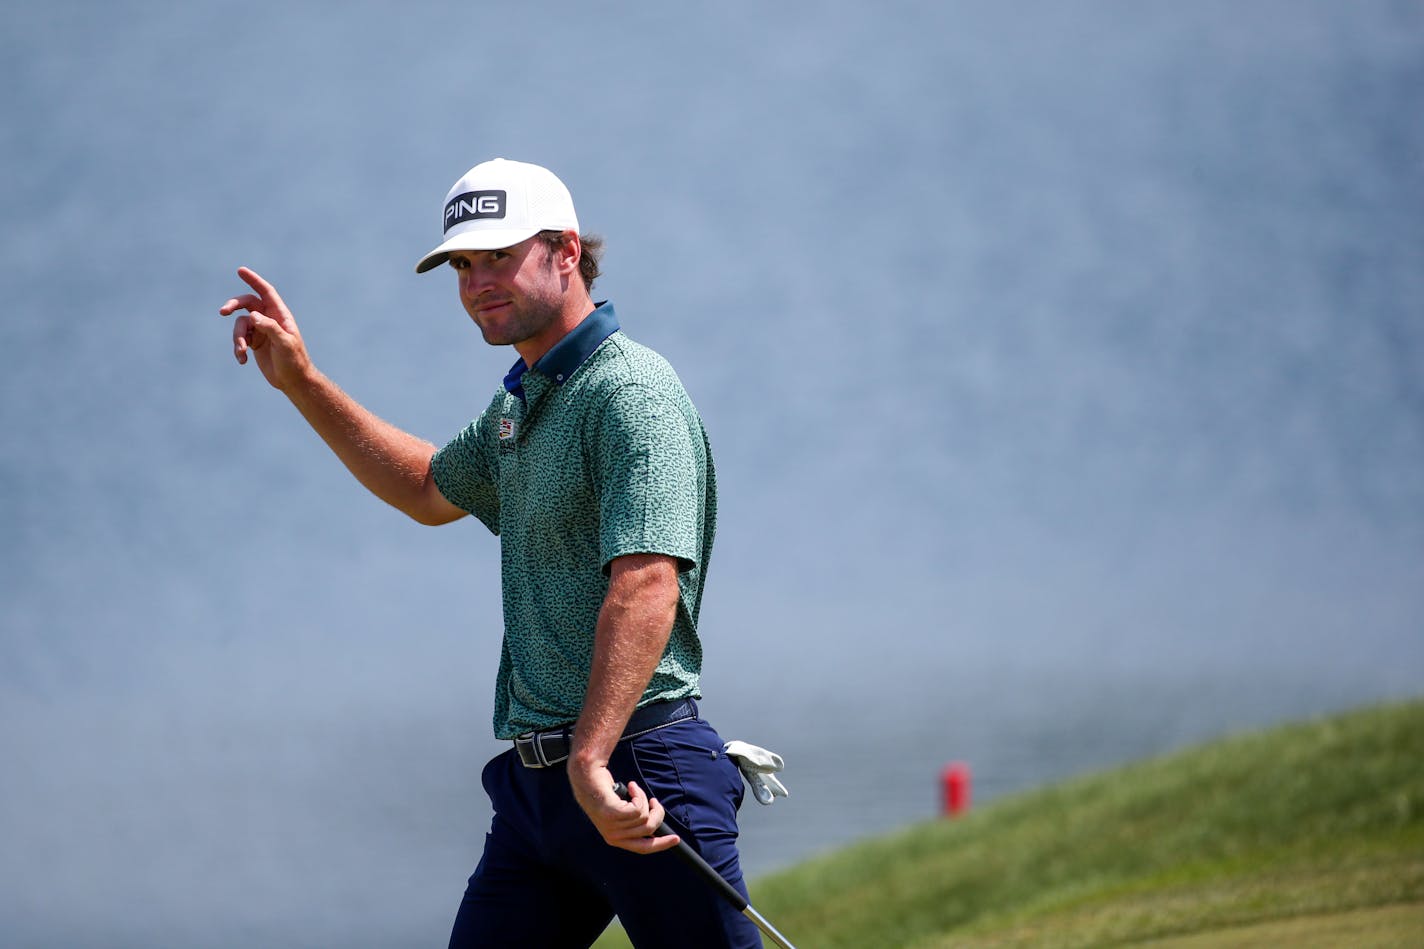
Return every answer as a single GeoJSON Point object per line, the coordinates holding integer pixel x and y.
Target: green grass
{"type": "Point", "coordinates": [1258, 839]}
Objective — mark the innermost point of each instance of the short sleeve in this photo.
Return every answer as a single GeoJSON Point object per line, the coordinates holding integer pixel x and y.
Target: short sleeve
{"type": "Point", "coordinates": [646, 474]}
{"type": "Point", "coordinates": [466, 470]}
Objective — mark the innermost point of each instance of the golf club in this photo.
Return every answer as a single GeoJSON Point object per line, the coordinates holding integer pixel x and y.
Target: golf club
{"type": "Point", "coordinates": [729, 892]}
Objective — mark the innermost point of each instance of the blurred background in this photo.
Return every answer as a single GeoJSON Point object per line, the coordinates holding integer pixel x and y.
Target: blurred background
{"type": "Point", "coordinates": [1064, 366]}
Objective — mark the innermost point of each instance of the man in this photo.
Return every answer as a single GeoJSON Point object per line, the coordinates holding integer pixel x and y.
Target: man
{"type": "Point", "coordinates": [592, 466]}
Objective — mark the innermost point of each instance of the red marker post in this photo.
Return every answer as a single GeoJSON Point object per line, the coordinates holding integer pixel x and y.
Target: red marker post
{"type": "Point", "coordinates": [955, 780]}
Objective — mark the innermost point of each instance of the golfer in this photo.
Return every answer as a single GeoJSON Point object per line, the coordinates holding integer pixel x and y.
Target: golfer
{"type": "Point", "coordinates": [591, 465]}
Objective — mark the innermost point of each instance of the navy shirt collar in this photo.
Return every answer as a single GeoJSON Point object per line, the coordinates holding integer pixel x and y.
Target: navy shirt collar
{"type": "Point", "coordinates": [565, 356]}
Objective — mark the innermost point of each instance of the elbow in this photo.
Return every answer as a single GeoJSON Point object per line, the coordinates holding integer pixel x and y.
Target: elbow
{"type": "Point", "coordinates": [432, 518]}
{"type": "Point", "coordinates": [427, 505]}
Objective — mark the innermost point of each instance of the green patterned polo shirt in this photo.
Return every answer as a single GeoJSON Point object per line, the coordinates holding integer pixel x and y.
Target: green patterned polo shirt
{"type": "Point", "coordinates": [593, 453]}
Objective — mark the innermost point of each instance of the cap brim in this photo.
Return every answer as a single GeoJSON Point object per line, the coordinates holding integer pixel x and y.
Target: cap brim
{"type": "Point", "coordinates": [474, 240]}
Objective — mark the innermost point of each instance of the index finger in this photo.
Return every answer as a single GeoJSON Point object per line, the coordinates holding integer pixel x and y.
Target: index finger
{"type": "Point", "coordinates": [648, 811]}
{"type": "Point", "coordinates": [630, 793]}
{"type": "Point", "coordinates": [264, 289]}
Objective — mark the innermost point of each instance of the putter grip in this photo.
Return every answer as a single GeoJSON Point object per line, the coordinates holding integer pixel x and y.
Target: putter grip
{"type": "Point", "coordinates": [694, 859]}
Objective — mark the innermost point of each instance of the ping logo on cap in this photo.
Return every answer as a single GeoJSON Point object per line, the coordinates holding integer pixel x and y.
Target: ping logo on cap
{"type": "Point", "coordinates": [474, 206]}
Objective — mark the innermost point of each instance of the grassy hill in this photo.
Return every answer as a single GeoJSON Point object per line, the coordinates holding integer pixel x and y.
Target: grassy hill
{"type": "Point", "coordinates": [1308, 834]}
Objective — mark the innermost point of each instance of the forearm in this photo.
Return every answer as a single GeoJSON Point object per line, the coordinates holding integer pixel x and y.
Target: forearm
{"type": "Point", "coordinates": [392, 464]}
{"type": "Point", "coordinates": [633, 629]}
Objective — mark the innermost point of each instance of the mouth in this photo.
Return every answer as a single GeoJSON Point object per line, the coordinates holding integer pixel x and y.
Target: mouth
{"type": "Point", "coordinates": [492, 308]}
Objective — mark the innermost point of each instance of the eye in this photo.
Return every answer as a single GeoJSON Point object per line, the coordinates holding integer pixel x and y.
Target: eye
{"type": "Point", "coordinates": [497, 255]}
{"type": "Point", "coordinates": [459, 263]}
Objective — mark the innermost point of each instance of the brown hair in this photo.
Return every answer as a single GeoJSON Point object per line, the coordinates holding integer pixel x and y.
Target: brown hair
{"type": "Point", "coordinates": [592, 246]}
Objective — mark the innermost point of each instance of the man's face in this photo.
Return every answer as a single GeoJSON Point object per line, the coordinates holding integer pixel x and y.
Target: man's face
{"type": "Point", "coordinates": [514, 294]}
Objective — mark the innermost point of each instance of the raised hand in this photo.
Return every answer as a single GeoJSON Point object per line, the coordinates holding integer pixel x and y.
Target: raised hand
{"type": "Point", "coordinates": [268, 331]}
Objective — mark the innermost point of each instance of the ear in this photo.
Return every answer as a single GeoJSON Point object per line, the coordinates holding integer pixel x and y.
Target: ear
{"type": "Point", "coordinates": [566, 258]}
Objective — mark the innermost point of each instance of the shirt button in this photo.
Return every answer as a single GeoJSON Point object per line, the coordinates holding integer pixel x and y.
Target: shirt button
{"type": "Point", "coordinates": [559, 377]}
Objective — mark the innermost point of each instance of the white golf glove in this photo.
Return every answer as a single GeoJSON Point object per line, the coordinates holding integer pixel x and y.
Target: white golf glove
{"type": "Point", "coordinates": [759, 767]}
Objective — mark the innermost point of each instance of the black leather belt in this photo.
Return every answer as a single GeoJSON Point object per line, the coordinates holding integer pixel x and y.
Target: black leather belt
{"type": "Point", "coordinates": [544, 749]}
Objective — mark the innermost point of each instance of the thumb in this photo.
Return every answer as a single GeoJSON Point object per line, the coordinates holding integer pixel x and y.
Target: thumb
{"type": "Point", "coordinates": [268, 330]}
{"type": "Point", "coordinates": [265, 323]}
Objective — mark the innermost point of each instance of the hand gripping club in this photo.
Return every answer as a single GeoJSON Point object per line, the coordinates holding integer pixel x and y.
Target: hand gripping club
{"type": "Point", "coordinates": [694, 859]}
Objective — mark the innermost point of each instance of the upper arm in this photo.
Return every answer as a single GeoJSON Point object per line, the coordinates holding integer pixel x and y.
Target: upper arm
{"type": "Point", "coordinates": [645, 575]}
{"type": "Point", "coordinates": [639, 610]}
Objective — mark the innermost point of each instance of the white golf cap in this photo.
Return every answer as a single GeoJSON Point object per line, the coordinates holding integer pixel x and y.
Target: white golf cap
{"type": "Point", "coordinates": [499, 203]}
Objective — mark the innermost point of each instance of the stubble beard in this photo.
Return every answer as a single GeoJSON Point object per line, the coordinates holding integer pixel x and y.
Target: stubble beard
{"type": "Point", "coordinates": [523, 321]}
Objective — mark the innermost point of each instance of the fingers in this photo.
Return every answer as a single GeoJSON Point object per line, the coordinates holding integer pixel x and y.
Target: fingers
{"type": "Point", "coordinates": [642, 843]}
{"type": "Point", "coordinates": [264, 289]}
{"type": "Point", "coordinates": [253, 330]}
{"type": "Point", "coordinates": [637, 822]}
{"type": "Point", "coordinates": [641, 814]}
{"type": "Point", "coordinates": [247, 301]}
{"type": "Point", "coordinates": [266, 299]}
{"type": "Point", "coordinates": [647, 844]}
{"type": "Point", "coordinates": [241, 338]}
{"type": "Point", "coordinates": [654, 843]}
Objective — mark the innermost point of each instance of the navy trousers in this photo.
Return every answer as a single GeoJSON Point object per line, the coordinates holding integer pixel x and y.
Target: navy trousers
{"type": "Point", "coordinates": [547, 880]}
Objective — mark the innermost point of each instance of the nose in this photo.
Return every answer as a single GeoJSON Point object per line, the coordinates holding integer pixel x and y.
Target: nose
{"type": "Point", "coordinates": [473, 280]}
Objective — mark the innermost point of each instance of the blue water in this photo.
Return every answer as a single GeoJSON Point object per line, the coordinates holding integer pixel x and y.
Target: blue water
{"type": "Point", "coordinates": [1064, 368]}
